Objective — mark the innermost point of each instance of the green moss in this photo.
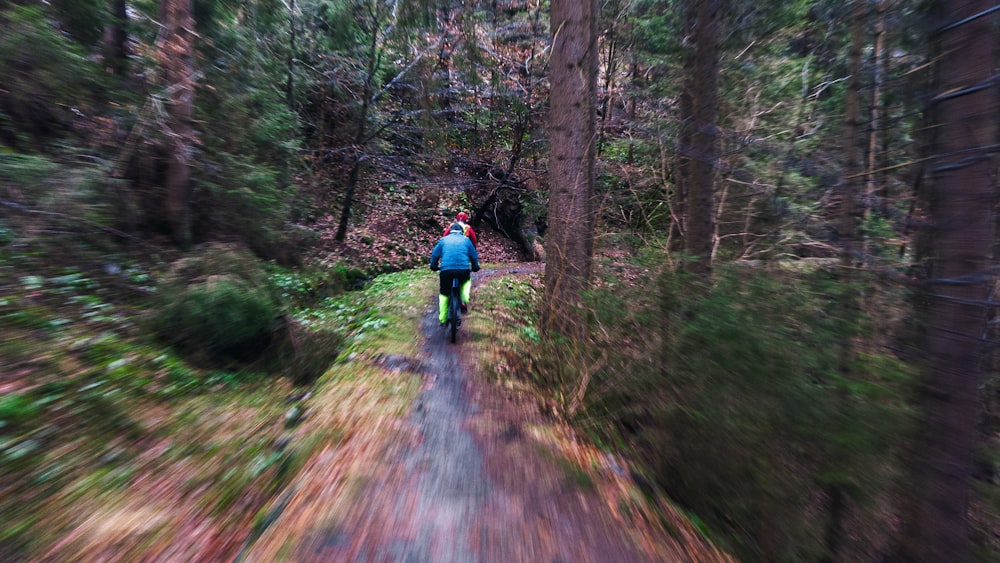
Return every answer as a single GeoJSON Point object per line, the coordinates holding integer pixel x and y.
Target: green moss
{"type": "Point", "coordinates": [17, 409]}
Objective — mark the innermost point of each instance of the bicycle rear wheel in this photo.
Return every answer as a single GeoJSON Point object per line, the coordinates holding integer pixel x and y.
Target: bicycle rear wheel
{"type": "Point", "coordinates": [454, 312]}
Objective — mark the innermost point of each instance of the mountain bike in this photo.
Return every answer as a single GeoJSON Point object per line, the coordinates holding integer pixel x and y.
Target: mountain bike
{"type": "Point", "coordinates": [454, 310]}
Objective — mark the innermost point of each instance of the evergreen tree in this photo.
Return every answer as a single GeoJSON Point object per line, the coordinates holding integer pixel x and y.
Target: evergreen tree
{"type": "Point", "coordinates": [572, 128]}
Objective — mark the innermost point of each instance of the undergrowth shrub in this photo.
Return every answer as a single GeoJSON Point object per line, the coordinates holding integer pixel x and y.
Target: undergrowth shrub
{"type": "Point", "coordinates": [54, 193]}
{"type": "Point", "coordinates": [743, 403]}
{"type": "Point", "coordinates": [220, 315]}
{"type": "Point", "coordinates": [220, 305]}
{"type": "Point", "coordinates": [217, 303]}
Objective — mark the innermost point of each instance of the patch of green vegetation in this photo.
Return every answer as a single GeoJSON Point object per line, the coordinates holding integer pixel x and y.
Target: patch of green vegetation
{"type": "Point", "coordinates": [753, 366]}
{"type": "Point", "coordinates": [7, 235]}
{"type": "Point", "coordinates": [16, 409]}
{"type": "Point", "coordinates": [90, 372]}
{"type": "Point", "coordinates": [225, 317]}
{"type": "Point", "coordinates": [31, 318]}
{"type": "Point", "coordinates": [506, 332]}
{"type": "Point", "coordinates": [383, 317]}
{"type": "Point", "coordinates": [15, 532]}
{"type": "Point", "coordinates": [304, 288]}
{"type": "Point", "coordinates": [578, 476]}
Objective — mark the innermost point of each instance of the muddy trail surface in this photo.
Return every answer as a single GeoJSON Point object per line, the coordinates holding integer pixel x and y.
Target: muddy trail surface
{"type": "Point", "coordinates": [466, 478]}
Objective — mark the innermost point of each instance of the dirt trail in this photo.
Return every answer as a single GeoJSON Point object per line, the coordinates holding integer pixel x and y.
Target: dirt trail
{"type": "Point", "coordinates": [467, 480]}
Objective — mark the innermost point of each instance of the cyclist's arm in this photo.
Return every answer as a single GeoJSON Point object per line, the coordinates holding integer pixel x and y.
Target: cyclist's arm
{"type": "Point", "coordinates": [436, 255]}
{"type": "Point", "coordinates": [473, 256]}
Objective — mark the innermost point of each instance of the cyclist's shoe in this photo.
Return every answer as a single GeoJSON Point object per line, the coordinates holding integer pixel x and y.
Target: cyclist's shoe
{"type": "Point", "coordinates": [465, 308]}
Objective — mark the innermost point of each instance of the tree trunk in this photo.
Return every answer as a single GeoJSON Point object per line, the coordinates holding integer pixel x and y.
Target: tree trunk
{"type": "Point", "coordinates": [572, 134]}
{"type": "Point", "coordinates": [360, 132]}
{"type": "Point", "coordinates": [848, 230]}
{"type": "Point", "coordinates": [116, 50]}
{"type": "Point", "coordinates": [872, 190]}
{"type": "Point", "coordinates": [290, 81]}
{"type": "Point", "coordinates": [610, 69]}
{"type": "Point", "coordinates": [962, 206]}
{"type": "Point", "coordinates": [704, 137]}
{"type": "Point", "coordinates": [175, 54]}
{"type": "Point", "coordinates": [884, 196]}
{"type": "Point", "coordinates": [685, 132]}
{"type": "Point", "coordinates": [630, 111]}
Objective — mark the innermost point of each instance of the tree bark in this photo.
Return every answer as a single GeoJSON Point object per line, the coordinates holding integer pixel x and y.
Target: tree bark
{"type": "Point", "coordinates": [872, 190]}
{"type": "Point", "coordinates": [175, 54]}
{"type": "Point", "coordinates": [685, 132]}
{"type": "Point", "coordinates": [572, 134]}
{"type": "Point", "coordinates": [290, 80]}
{"type": "Point", "coordinates": [630, 111]}
{"type": "Point", "coordinates": [848, 230]}
{"type": "Point", "coordinates": [116, 51]}
{"type": "Point", "coordinates": [704, 137]}
{"type": "Point", "coordinates": [610, 69]}
{"type": "Point", "coordinates": [962, 205]}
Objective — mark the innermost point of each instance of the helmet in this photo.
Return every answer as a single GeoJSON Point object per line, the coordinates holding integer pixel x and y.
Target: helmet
{"type": "Point", "coordinates": [462, 216]}
{"type": "Point", "coordinates": [456, 228]}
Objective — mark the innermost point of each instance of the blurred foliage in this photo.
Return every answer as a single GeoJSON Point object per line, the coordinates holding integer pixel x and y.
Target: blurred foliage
{"type": "Point", "coordinates": [379, 317]}
{"type": "Point", "coordinates": [219, 317]}
{"type": "Point", "coordinates": [83, 20]}
{"type": "Point", "coordinates": [750, 366]}
{"type": "Point", "coordinates": [217, 302]}
{"type": "Point", "coordinates": [302, 289]}
{"type": "Point", "coordinates": [46, 76]}
{"type": "Point", "coordinates": [243, 178]}
{"type": "Point", "coordinates": [90, 391]}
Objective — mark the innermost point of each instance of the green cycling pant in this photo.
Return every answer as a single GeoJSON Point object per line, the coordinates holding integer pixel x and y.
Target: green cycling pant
{"type": "Point", "coordinates": [443, 301]}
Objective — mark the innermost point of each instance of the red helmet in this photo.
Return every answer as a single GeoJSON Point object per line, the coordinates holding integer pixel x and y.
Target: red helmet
{"type": "Point", "coordinates": [462, 216]}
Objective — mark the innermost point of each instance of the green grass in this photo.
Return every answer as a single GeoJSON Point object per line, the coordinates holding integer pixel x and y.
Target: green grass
{"type": "Point", "coordinates": [383, 318]}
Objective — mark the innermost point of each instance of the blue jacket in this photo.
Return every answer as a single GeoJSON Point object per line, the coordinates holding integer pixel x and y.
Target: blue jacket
{"type": "Point", "coordinates": [454, 252]}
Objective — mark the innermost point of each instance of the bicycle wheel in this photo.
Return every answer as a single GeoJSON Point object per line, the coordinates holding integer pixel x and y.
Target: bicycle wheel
{"type": "Point", "coordinates": [453, 316]}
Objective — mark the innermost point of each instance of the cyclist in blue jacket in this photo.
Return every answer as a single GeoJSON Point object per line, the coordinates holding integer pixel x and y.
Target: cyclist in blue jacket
{"type": "Point", "coordinates": [455, 256]}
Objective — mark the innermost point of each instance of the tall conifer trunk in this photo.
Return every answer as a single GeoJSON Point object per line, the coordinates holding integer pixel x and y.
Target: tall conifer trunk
{"type": "Point", "coordinates": [175, 54]}
{"type": "Point", "coordinates": [704, 137]}
{"type": "Point", "coordinates": [685, 130]}
{"type": "Point", "coordinates": [292, 49]}
{"type": "Point", "coordinates": [962, 211]}
{"type": "Point", "coordinates": [872, 189]}
{"type": "Point", "coordinates": [116, 47]}
{"type": "Point", "coordinates": [573, 135]}
{"type": "Point", "coordinates": [848, 229]}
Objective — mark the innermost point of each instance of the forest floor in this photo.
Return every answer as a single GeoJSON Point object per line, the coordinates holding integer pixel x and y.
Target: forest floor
{"type": "Point", "coordinates": [473, 471]}
{"type": "Point", "coordinates": [408, 448]}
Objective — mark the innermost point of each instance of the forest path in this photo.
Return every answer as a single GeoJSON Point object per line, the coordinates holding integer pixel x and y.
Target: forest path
{"type": "Point", "coordinates": [466, 477]}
